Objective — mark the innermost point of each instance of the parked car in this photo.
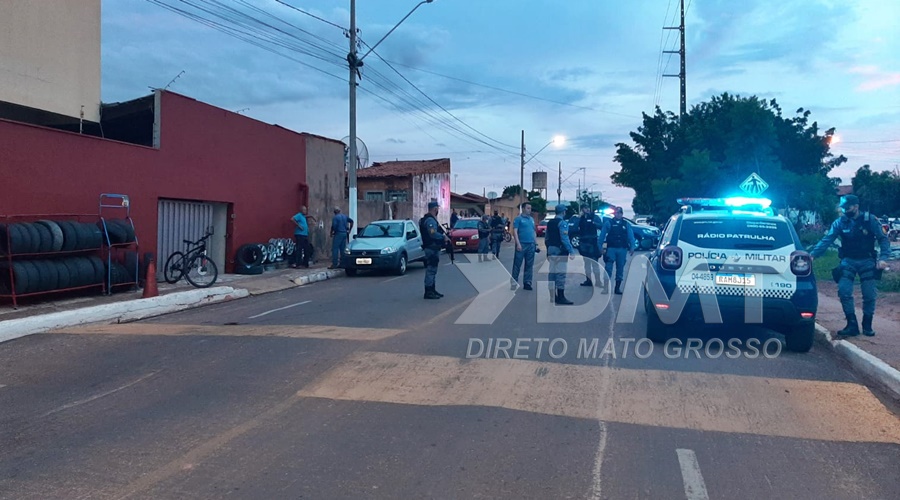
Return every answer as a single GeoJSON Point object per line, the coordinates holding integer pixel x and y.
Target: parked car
{"type": "Point", "coordinates": [541, 228]}
{"type": "Point", "coordinates": [646, 236]}
{"type": "Point", "coordinates": [384, 245]}
{"type": "Point", "coordinates": [464, 235]}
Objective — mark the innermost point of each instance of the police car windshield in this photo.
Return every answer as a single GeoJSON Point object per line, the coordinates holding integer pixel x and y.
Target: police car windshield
{"type": "Point", "coordinates": [382, 231]}
{"type": "Point", "coordinates": [736, 233]}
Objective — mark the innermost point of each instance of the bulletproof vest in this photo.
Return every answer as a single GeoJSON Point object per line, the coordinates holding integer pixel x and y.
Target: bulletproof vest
{"type": "Point", "coordinates": [427, 241]}
{"type": "Point", "coordinates": [552, 238]}
{"type": "Point", "coordinates": [618, 233]}
{"type": "Point", "coordinates": [857, 239]}
{"type": "Point", "coordinates": [587, 231]}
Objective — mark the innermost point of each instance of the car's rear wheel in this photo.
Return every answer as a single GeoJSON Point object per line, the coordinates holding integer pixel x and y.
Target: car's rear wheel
{"type": "Point", "coordinates": [657, 331]}
{"type": "Point", "coordinates": [800, 338]}
{"type": "Point", "coordinates": [401, 265]}
{"type": "Point", "coordinates": [349, 271]}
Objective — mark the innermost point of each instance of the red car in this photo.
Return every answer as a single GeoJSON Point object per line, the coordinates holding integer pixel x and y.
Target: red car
{"type": "Point", "coordinates": [542, 227]}
{"type": "Point", "coordinates": [464, 235]}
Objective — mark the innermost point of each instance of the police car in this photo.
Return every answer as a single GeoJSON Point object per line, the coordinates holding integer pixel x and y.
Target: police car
{"type": "Point", "coordinates": [737, 254]}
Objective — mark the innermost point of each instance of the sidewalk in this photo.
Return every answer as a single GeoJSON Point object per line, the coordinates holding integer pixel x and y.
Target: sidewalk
{"type": "Point", "coordinates": [47, 314]}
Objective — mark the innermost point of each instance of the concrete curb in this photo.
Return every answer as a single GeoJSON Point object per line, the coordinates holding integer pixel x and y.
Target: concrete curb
{"type": "Point", "coordinates": [320, 276]}
{"type": "Point", "coordinates": [863, 362]}
{"type": "Point", "coordinates": [118, 312]}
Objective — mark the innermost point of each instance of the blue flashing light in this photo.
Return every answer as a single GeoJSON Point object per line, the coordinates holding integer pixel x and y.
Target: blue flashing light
{"type": "Point", "coordinates": [742, 201]}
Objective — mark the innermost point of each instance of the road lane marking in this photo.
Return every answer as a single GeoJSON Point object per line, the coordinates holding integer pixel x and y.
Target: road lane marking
{"type": "Point", "coordinates": [98, 396]}
{"type": "Point", "coordinates": [289, 331]}
{"type": "Point", "coordinates": [694, 487]}
{"type": "Point", "coordinates": [597, 473]}
{"type": "Point", "coordinates": [393, 279]}
{"type": "Point", "coordinates": [280, 309]}
{"type": "Point", "coordinates": [805, 409]}
{"type": "Point", "coordinates": [2, 386]}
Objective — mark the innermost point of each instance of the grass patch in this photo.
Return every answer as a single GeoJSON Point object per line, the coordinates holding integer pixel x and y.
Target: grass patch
{"type": "Point", "coordinates": [822, 266]}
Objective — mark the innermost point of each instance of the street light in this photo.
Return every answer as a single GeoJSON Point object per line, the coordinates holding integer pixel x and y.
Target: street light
{"type": "Point", "coordinates": [355, 63]}
{"type": "Point", "coordinates": [557, 140]}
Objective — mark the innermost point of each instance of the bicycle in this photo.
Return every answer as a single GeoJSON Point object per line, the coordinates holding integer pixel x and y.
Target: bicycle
{"type": "Point", "coordinates": [193, 265]}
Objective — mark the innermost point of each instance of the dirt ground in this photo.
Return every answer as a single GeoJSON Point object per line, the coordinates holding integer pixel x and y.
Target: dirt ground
{"type": "Point", "coordinates": [888, 305]}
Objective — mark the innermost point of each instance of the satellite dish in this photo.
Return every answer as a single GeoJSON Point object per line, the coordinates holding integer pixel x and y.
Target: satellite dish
{"type": "Point", "coordinates": [492, 194]}
{"type": "Point", "coordinates": [362, 153]}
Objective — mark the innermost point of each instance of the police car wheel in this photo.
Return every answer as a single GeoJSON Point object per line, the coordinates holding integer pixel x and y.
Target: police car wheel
{"type": "Point", "coordinates": [800, 339]}
{"type": "Point", "coordinates": [350, 271]}
{"type": "Point", "coordinates": [657, 331]}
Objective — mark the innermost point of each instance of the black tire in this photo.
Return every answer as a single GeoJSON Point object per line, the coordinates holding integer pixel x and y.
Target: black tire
{"type": "Point", "coordinates": [350, 272]}
{"type": "Point", "coordinates": [62, 274]}
{"type": "Point", "coordinates": [70, 235]}
{"type": "Point", "coordinates": [99, 267]}
{"type": "Point", "coordinates": [86, 271]}
{"type": "Point", "coordinates": [55, 232]}
{"type": "Point", "coordinates": [45, 238]}
{"type": "Point", "coordinates": [72, 269]}
{"type": "Point", "coordinates": [33, 280]}
{"type": "Point", "coordinates": [90, 236]}
{"type": "Point", "coordinates": [127, 230]}
{"type": "Point", "coordinates": [202, 271]}
{"type": "Point", "coordinates": [5, 237]}
{"type": "Point", "coordinates": [115, 232]}
{"type": "Point", "coordinates": [34, 238]}
{"type": "Point", "coordinates": [170, 274]}
{"type": "Point", "coordinates": [20, 278]}
{"type": "Point", "coordinates": [657, 331]}
{"type": "Point", "coordinates": [800, 338]}
{"type": "Point", "coordinates": [132, 266]}
{"type": "Point", "coordinates": [48, 276]}
{"type": "Point", "coordinates": [402, 265]}
{"type": "Point", "coordinates": [249, 256]}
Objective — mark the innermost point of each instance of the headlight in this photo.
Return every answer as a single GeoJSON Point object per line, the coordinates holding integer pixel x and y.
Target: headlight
{"type": "Point", "coordinates": [474, 236]}
{"type": "Point", "coordinates": [387, 250]}
{"type": "Point", "coordinates": [347, 250]}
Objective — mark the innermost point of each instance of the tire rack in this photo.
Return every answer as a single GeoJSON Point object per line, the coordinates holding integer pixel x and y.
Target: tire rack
{"type": "Point", "coordinates": [122, 203]}
{"type": "Point", "coordinates": [10, 257]}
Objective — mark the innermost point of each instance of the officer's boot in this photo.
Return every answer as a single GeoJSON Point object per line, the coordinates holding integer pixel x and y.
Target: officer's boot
{"type": "Point", "coordinates": [587, 282]}
{"type": "Point", "coordinates": [561, 298]}
{"type": "Point", "coordinates": [618, 287]}
{"type": "Point", "coordinates": [434, 290]}
{"type": "Point", "coordinates": [852, 328]}
{"type": "Point", "coordinates": [604, 287]}
{"type": "Point", "coordinates": [867, 326]}
{"type": "Point", "coordinates": [552, 289]}
{"type": "Point", "coordinates": [429, 293]}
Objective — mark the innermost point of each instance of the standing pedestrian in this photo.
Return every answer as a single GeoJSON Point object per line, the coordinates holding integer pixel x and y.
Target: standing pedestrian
{"type": "Point", "coordinates": [484, 238]}
{"type": "Point", "coordinates": [858, 233]}
{"type": "Point", "coordinates": [301, 238]}
{"type": "Point", "coordinates": [454, 218]}
{"type": "Point", "coordinates": [620, 242]}
{"type": "Point", "coordinates": [524, 234]}
{"type": "Point", "coordinates": [433, 240]}
{"type": "Point", "coordinates": [559, 250]}
{"type": "Point", "coordinates": [340, 227]}
{"type": "Point", "coordinates": [497, 229]}
{"type": "Point", "coordinates": [588, 244]}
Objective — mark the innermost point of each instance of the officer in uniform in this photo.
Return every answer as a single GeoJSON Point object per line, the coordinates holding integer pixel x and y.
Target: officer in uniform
{"type": "Point", "coordinates": [588, 246]}
{"type": "Point", "coordinates": [858, 233]}
{"type": "Point", "coordinates": [620, 242]}
{"type": "Point", "coordinates": [559, 248]}
{"type": "Point", "coordinates": [433, 240]}
{"type": "Point", "coordinates": [498, 226]}
{"type": "Point", "coordinates": [484, 238]}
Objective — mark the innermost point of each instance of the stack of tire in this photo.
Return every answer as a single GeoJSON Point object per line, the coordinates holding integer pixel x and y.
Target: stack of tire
{"type": "Point", "coordinates": [250, 259]}
{"type": "Point", "coordinates": [35, 258]}
{"type": "Point", "coordinates": [125, 269]}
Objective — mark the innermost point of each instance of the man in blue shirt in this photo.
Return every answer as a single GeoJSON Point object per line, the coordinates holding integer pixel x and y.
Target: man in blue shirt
{"type": "Point", "coordinates": [559, 249]}
{"type": "Point", "coordinates": [620, 242]}
{"type": "Point", "coordinates": [524, 236]}
{"type": "Point", "coordinates": [859, 232]}
{"type": "Point", "coordinates": [340, 227]}
{"type": "Point", "coordinates": [301, 237]}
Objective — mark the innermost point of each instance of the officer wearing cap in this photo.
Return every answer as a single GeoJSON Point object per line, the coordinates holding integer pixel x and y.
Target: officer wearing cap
{"type": "Point", "coordinates": [588, 225]}
{"type": "Point", "coordinates": [433, 240]}
{"type": "Point", "coordinates": [858, 233]}
{"type": "Point", "coordinates": [559, 248]}
{"type": "Point", "coordinates": [619, 238]}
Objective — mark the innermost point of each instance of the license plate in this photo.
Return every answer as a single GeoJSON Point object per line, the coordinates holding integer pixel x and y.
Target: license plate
{"type": "Point", "coordinates": [363, 261]}
{"type": "Point", "coordinates": [461, 243]}
{"type": "Point", "coordinates": [736, 279]}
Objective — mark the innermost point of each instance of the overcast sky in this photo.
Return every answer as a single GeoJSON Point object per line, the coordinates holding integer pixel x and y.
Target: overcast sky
{"type": "Point", "coordinates": [484, 70]}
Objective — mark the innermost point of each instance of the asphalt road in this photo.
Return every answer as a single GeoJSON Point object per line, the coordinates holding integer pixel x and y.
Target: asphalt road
{"type": "Point", "coordinates": [358, 388]}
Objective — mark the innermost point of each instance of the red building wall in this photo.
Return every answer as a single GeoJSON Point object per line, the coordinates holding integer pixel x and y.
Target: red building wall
{"type": "Point", "coordinates": [205, 154]}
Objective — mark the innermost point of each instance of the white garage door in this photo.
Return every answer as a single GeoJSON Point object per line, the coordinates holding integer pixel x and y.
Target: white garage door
{"type": "Point", "coordinates": [179, 221]}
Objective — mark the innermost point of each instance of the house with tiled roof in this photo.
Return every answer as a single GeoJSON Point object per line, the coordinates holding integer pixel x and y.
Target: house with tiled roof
{"type": "Point", "coordinates": [417, 182]}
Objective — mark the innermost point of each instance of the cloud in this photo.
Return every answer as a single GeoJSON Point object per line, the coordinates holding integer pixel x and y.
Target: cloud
{"type": "Point", "coordinates": [395, 141]}
{"type": "Point", "coordinates": [598, 141]}
{"type": "Point", "coordinates": [875, 78]}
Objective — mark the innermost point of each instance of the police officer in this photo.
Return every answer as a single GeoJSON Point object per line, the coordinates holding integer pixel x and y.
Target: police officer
{"type": "Point", "coordinates": [858, 233]}
{"type": "Point", "coordinates": [559, 248]}
{"type": "Point", "coordinates": [434, 239]}
{"type": "Point", "coordinates": [619, 238]}
{"type": "Point", "coordinates": [498, 226]}
{"type": "Point", "coordinates": [588, 245]}
{"type": "Point", "coordinates": [484, 238]}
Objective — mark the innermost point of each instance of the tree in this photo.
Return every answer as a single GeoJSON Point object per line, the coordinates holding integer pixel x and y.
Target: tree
{"type": "Point", "coordinates": [712, 149]}
{"type": "Point", "coordinates": [878, 192]}
{"type": "Point", "coordinates": [538, 204]}
{"type": "Point", "coordinates": [510, 191]}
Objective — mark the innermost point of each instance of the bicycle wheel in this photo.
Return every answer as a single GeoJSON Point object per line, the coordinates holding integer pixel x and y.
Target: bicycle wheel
{"type": "Point", "coordinates": [201, 271]}
{"type": "Point", "coordinates": [174, 269]}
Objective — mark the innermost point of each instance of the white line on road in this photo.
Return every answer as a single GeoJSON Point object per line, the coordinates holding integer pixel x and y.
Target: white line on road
{"type": "Point", "coordinates": [280, 309]}
{"type": "Point", "coordinates": [98, 396]}
{"type": "Point", "coordinates": [694, 487]}
{"type": "Point", "coordinates": [2, 386]}
{"type": "Point", "coordinates": [392, 279]}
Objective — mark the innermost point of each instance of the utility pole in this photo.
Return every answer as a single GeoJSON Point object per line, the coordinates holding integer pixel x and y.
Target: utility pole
{"type": "Point", "coordinates": [559, 186]}
{"type": "Point", "coordinates": [682, 75]}
{"type": "Point", "coordinates": [352, 160]}
{"type": "Point", "coordinates": [522, 176]}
